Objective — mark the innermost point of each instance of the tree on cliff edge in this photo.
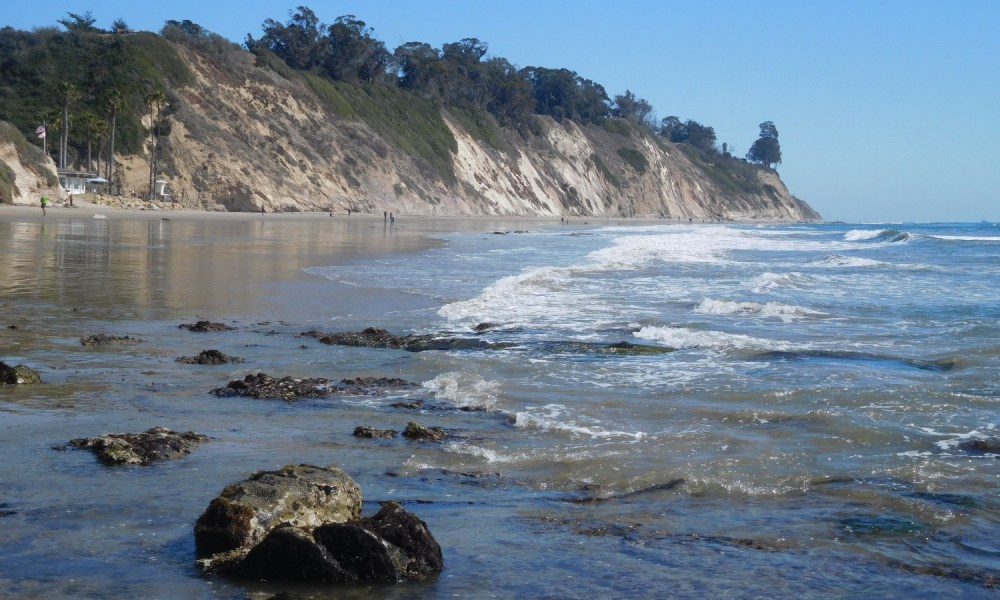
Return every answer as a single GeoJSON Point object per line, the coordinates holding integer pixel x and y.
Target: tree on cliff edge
{"type": "Point", "coordinates": [766, 150]}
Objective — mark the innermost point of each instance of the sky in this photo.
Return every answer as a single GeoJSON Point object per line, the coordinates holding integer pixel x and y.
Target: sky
{"type": "Point", "coordinates": [886, 110]}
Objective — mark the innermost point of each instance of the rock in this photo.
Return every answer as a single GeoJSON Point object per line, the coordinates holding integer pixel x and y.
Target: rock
{"type": "Point", "coordinates": [145, 448]}
{"type": "Point", "coordinates": [210, 357]}
{"type": "Point", "coordinates": [636, 349]}
{"type": "Point", "coordinates": [304, 496]}
{"type": "Point", "coordinates": [405, 531]}
{"type": "Point", "coordinates": [368, 432]}
{"type": "Point", "coordinates": [18, 374]}
{"type": "Point", "coordinates": [484, 327]}
{"type": "Point", "coordinates": [394, 545]}
{"type": "Point", "coordinates": [264, 386]}
{"type": "Point", "coordinates": [205, 327]}
{"type": "Point", "coordinates": [291, 554]}
{"type": "Point", "coordinates": [415, 405]}
{"type": "Point", "coordinates": [416, 431]}
{"type": "Point", "coordinates": [363, 386]}
{"type": "Point", "coordinates": [102, 339]}
{"type": "Point", "coordinates": [374, 337]}
{"type": "Point", "coordinates": [987, 446]}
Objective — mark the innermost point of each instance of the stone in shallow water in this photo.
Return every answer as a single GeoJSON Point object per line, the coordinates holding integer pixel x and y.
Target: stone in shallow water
{"type": "Point", "coordinates": [145, 448]}
{"type": "Point", "coordinates": [18, 374]}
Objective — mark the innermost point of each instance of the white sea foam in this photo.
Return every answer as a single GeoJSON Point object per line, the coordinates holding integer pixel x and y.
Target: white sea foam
{"type": "Point", "coordinates": [773, 281]}
{"type": "Point", "coordinates": [839, 260]}
{"type": "Point", "coordinates": [535, 295]}
{"type": "Point", "coordinates": [552, 417]}
{"type": "Point", "coordinates": [967, 238]}
{"type": "Point", "coordinates": [784, 312]}
{"type": "Point", "coordinates": [857, 235]}
{"type": "Point", "coordinates": [464, 390]}
{"type": "Point", "coordinates": [683, 337]}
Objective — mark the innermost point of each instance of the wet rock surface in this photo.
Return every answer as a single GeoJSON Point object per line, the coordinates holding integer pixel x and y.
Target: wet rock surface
{"type": "Point", "coordinates": [302, 523]}
{"type": "Point", "coordinates": [290, 389]}
{"type": "Point", "coordinates": [210, 357]}
{"type": "Point", "coordinates": [205, 327]}
{"type": "Point", "coordinates": [18, 374]}
{"type": "Point", "coordinates": [374, 337]}
{"type": "Point", "coordinates": [371, 433]}
{"type": "Point", "coordinates": [416, 431]}
{"type": "Point", "coordinates": [102, 339]}
{"type": "Point", "coordinates": [148, 447]}
{"type": "Point", "coordinates": [980, 447]}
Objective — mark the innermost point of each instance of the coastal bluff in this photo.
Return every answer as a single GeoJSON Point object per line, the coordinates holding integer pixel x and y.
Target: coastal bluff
{"type": "Point", "coordinates": [244, 136]}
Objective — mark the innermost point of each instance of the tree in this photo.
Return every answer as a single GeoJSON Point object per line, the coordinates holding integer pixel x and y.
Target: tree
{"type": "Point", "coordinates": [155, 98]}
{"type": "Point", "coordinates": [115, 102]}
{"type": "Point", "coordinates": [766, 150]}
{"type": "Point", "coordinates": [120, 27]}
{"type": "Point", "coordinates": [352, 54]}
{"type": "Point", "coordinates": [79, 23]}
{"type": "Point", "coordinates": [634, 109]}
{"type": "Point", "coordinates": [69, 94]}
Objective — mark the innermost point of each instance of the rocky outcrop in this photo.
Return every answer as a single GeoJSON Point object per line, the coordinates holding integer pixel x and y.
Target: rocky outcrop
{"type": "Point", "coordinates": [374, 337]}
{"type": "Point", "coordinates": [416, 431]}
{"type": "Point", "coordinates": [372, 433]}
{"type": "Point", "coordinates": [263, 386]}
{"type": "Point", "coordinates": [18, 374]}
{"type": "Point", "coordinates": [205, 327]}
{"type": "Point", "coordinates": [302, 523]}
{"type": "Point", "coordinates": [103, 339]}
{"type": "Point", "coordinates": [144, 448]}
{"type": "Point", "coordinates": [210, 357]}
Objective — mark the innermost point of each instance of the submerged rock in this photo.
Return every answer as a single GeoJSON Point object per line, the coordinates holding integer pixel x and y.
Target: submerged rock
{"type": "Point", "coordinates": [416, 431]}
{"type": "Point", "coordinates": [368, 432]}
{"type": "Point", "coordinates": [18, 374]}
{"type": "Point", "coordinates": [290, 389]}
{"type": "Point", "coordinates": [302, 523]}
{"type": "Point", "coordinates": [374, 337]}
{"type": "Point", "coordinates": [205, 327]}
{"type": "Point", "coordinates": [209, 357]}
{"type": "Point", "coordinates": [263, 386]}
{"type": "Point", "coordinates": [102, 339]}
{"type": "Point", "coordinates": [145, 448]}
{"type": "Point", "coordinates": [987, 446]}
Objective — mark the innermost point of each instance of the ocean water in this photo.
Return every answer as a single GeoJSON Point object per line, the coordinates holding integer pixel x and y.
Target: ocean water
{"type": "Point", "coordinates": [807, 437]}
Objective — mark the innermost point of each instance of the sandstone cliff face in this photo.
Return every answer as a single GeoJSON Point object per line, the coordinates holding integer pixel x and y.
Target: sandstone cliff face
{"type": "Point", "coordinates": [243, 138]}
{"type": "Point", "coordinates": [29, 184]}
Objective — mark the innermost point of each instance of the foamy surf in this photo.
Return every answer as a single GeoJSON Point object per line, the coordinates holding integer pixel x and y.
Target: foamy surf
{"type": "Point", "coordinates": [777, 310]}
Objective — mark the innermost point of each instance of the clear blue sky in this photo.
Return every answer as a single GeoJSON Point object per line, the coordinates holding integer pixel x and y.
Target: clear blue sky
{"type": "Point", "coordinates": [887, 110]}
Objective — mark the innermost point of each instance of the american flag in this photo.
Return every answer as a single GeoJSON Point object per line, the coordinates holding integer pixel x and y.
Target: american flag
{"type": "Point", "coordinates": [41, 132]}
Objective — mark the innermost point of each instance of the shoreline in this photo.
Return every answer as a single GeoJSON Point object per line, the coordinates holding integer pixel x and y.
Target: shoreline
{"type": "Point", "coordinates": [89, 210]}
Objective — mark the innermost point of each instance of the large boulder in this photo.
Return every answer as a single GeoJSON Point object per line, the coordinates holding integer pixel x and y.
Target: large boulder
{"type": "Point", "coordinates": [303, 523]}
{"type": "Point", "coordinates": [305, 496]}
{"type": "Point", "coordinates": [153, 445]}
{"type": "Point", "coordinates": [18, 374]}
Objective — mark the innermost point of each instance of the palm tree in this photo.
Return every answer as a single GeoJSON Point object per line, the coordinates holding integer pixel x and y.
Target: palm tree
{"type": "Point", "coordinates": [156, 99]}
{"type": "Point", "coordinates": [90, 123]}
{"type": "Point", "coordinates": [69, 93]}
{"type": "Point", "coordinates": [116, 101]}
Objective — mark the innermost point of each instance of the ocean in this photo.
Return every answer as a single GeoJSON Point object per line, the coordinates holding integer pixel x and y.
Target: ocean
{"type": "Point", "coordinates": [810, 433]}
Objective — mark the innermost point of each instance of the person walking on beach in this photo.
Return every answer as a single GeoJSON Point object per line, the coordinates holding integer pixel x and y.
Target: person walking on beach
{"type": "Point", "coordinates": [385, 217]}
{"type": "Point", "coordinates": [392, 219]}
{"type": "Point", "coordinates": [45, 202]}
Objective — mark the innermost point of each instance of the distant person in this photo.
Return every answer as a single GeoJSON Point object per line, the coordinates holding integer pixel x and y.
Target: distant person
{"type": "Point", "coordinates": [348, 212]}
{"type": "Point", "coordinates": [45, 202]}
{"type": "Point", "coordinates": [261, 209]}
{"type": "Point", "coordinates": [385, 217]}
{"type": "Point", "coordinates": [392, 219]}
